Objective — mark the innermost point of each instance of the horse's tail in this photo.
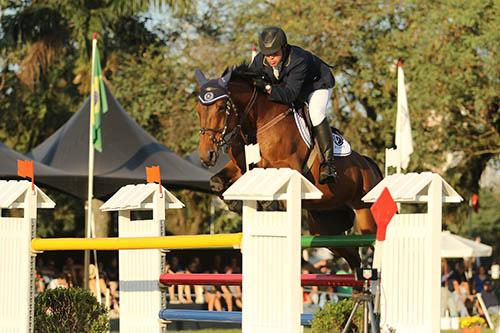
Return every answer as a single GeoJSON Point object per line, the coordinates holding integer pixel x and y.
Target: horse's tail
{"type": "Point", "coordinates": [372, 162]}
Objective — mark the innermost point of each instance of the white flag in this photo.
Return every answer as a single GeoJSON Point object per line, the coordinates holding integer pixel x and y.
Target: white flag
{"type": "Point", "coordinates": [254, 53]}
{"type": "Point", "coordinates": [404, 142]}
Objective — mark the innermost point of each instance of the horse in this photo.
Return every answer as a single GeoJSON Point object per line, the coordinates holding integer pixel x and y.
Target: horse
{"type": "Point", "coordinates": [232, 113]}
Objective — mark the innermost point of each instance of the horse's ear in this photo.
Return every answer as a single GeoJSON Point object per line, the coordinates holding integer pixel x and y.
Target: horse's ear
{"type": "Point", "coordinates": [200, 78]}
{"type": "Point", "coordinates": [223, 81]}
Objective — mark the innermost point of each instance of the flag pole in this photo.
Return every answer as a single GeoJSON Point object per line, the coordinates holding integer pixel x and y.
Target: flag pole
{"type": "Point", "coordinates": [89, 225]}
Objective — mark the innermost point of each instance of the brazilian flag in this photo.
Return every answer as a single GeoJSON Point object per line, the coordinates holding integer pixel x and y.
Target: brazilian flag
{"type": "Point", "coordinates": [99, 102]}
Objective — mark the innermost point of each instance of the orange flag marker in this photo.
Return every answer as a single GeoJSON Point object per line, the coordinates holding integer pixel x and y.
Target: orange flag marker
{"type": "Point", "coordinates": [26, 169]}
{"type": "Point", "coordinates": [153, 175]}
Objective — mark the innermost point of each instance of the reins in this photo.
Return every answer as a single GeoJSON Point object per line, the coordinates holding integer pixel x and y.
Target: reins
{"type": "Point", "coordinates": [230, 106]}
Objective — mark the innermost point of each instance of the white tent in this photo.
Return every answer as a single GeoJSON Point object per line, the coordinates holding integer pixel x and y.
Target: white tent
{"type": "Point", "coordinates": [454, 246]}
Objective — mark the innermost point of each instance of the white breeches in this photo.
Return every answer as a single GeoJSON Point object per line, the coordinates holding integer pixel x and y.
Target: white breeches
{"type": "Point", "coordinates": [318, 100]}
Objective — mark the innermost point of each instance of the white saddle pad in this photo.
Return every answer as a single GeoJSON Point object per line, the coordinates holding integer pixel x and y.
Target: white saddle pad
{"type": "Point", "coordinates": [340, 145]}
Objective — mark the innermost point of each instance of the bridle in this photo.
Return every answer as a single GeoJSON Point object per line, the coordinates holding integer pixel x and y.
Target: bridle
{"type": "Point", "coordinates": [226, 138]}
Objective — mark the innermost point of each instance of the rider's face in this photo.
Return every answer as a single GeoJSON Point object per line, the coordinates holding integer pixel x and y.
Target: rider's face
{"type": "Point", "coordinates": [275, 58]}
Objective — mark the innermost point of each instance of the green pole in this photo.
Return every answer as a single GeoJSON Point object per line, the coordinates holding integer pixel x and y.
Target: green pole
{"type": "Point", "coordinates": [337, 241]}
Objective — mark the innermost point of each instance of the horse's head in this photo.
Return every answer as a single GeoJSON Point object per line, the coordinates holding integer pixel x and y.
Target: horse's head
{"type": "Point", "coordinates": [218, 117]}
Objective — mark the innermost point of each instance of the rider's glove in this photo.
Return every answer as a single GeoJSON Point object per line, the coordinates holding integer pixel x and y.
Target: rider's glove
{"type": "Point", "coordinates": [260, 83]}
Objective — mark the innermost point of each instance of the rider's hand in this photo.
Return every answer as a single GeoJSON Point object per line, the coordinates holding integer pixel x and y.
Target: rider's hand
{"type": "Point", "coordinates": [260, 83]}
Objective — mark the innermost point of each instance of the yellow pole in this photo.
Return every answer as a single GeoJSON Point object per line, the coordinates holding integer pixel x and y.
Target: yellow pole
{"type": "Point", "coordinates": [138, 243]}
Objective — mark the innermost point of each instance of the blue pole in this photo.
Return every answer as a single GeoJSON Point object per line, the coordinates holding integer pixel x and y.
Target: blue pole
{"type": "Point", "coordinates": [214, 316]}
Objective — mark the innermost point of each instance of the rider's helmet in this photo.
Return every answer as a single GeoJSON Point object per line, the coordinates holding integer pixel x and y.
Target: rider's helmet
{"type": "Point", "coordinates": [271, 40]}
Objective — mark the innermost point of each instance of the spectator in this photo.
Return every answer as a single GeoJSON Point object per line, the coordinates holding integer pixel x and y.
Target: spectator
{"type": "Point", "coordinates": [93, 282]}
{"type": "Point", "coordinates": [176, 267]}
{"type": "Point", "coordinates": [480, 278]}
{"type": "Point", "coordinates": [460, 292]}
{"type": "Point", "coordinates": [74, 269]}
{"type": "Point", "coordinates": [58, 282]}
{"type": "Point", "coordinates": [226, 292]}
{"type": "Point", "coordinates": [235, 266]}
{"type": "Point", "coordinates": [112, 274]}
{"type": "Point", "coordinates": [171, 288]}
{"type": "Point", "coordinates": [213, 295]}
{"type": "Point", "coordinates": [328, 297]}
{"type": "Point", "coordinates": [39, 284]}
{"type": "Point", "coordinates": [490, 300]}
{"type": "Point", "coordinates": [49, 271]}
{"type": "Point", "coordinates": [217, 266]}
{"type": "Point", "coordinates": [446, 300]}
{"type": "Point", "coordinates": [69, 279]}
{"type": "Point", "coordinates": [343, 291]}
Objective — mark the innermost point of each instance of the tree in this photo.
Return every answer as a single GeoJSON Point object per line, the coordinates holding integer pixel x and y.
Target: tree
{"type": "Point", "coordinates": [451, 70]}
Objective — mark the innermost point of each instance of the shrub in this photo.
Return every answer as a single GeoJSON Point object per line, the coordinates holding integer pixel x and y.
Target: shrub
{"type": "Point", "coordinates": [69, 310]}
{"type": "Point", "coordinates": [333, 317]}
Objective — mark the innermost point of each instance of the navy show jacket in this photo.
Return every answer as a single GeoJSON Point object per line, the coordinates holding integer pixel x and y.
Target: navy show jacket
{"type": "Point", "coordinates": [301, 73]}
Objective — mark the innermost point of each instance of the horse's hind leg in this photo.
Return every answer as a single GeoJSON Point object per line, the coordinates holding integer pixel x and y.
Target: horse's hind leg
{"type": "Point", "coordinates": [365, 223]}
{"type": "Point", "coordinates": [335, 222]}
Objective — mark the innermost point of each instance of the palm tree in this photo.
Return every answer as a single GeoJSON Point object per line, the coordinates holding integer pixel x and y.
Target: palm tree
{"type": "Point", "coordinates": [54, 29]}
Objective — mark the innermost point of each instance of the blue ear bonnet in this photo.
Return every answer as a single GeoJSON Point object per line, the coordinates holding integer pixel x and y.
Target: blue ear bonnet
{"type": "Point", "coordinates": [211, 91]}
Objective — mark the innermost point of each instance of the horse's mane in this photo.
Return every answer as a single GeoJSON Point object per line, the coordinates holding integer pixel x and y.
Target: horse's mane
{"type": "Point", "coordinates": [242, 72]}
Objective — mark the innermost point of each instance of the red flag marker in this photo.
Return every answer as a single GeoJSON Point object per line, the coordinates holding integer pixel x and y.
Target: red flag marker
{"type": "Point", "coordinates": [153, 175]}
{"type": "Point", "coordinates": [383, 210]}
{"type": "Point", "coordinates": [26, 169]}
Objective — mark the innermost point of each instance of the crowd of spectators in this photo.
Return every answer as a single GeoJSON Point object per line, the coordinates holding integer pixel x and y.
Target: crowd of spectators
{"type": "Point", "coordinates": [71, 274]}
{"type": "Point", "coordinates": [229, 298]}
{"type": "Point", "coordinates": [461, 283]}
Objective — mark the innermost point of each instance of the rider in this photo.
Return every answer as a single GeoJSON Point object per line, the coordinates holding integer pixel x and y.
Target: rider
{"type": "Point", "coordinates": [297, 76]}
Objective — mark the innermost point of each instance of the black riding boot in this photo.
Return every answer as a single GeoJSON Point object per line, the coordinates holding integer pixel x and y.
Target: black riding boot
{"type": "Point", "coordinates": [323, 134]}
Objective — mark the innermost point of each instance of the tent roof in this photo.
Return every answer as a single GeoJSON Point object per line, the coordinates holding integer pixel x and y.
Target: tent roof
{"type": "Point", "coordinates": [45, 175]}
{"type": "Point", "coordinates": [127, 150]}
{"type": "Point", "coordinates": [454, 246]}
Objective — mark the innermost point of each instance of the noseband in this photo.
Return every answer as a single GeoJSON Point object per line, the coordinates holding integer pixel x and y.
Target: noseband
{"type": "Point", "coordinates": [226, 138]}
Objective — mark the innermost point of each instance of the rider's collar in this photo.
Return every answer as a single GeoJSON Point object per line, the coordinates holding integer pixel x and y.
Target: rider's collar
{"type": "Point", "coordinates": [211, 91]}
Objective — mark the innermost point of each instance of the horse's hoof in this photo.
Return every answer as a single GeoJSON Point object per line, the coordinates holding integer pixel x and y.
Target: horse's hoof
{"type": "Point", "coordinates": [235, 205]}
{"type": "Point", "coordinates": [269, 205]}
{"type": "Point", "coordinates": [216, 184]}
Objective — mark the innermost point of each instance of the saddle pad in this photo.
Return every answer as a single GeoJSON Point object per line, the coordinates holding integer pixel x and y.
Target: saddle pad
{"type": "Point", "coordinates": [340, 145]}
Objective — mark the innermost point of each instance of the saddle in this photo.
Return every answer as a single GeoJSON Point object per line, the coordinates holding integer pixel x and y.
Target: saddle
{"type": "Point", "coordinates": [305, 128]}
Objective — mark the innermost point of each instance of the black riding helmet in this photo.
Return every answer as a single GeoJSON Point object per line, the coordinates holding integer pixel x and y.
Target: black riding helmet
{"type": "Point", "coordinates": [271, 40]}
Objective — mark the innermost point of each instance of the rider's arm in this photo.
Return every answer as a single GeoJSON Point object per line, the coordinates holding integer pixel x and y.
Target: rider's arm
{"type": "Point", "coordinates": [288, 91]}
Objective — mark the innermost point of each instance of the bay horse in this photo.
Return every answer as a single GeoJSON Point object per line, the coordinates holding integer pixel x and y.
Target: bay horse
{"type": "Point", "coordinates": [232, 113]}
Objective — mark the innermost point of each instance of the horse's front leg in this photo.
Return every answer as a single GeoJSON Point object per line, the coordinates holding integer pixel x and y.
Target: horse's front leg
{"type": "Point", "coordinates": [224, 178]}
{"type": "Point", "coordinates": [221, 182]}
